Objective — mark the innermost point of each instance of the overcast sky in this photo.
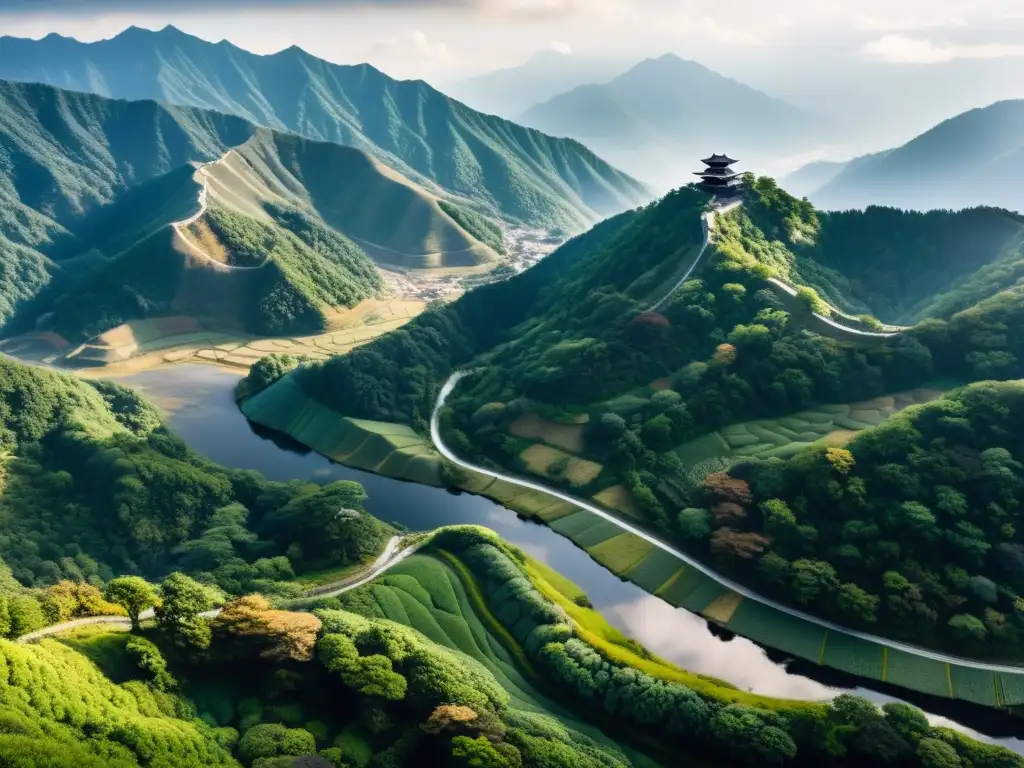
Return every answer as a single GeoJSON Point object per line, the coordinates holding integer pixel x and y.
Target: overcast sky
{"type": "Point", "coordinates": [441, 40]}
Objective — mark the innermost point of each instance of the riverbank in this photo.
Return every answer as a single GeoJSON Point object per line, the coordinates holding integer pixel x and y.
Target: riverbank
{"type": "Point", "coordinates": [397, 451]}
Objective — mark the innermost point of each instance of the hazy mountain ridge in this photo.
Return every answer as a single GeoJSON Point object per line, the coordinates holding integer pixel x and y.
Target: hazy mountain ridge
{"type": "Point", "coordinates": [971, 159]}
{"type": "Point", "coordinates": [511, 91]}
{"type": "Point", "coordinates": [408, 125]}
{"type": "Point", "coordinates": [669, 107]}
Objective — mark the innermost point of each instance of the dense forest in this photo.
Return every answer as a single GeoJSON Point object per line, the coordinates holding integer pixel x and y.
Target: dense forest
{"type": "Point", "coordinates": [93, 485]}
{"type": "Point", "coordinates": [912, 527]}
{"type": "Point", "coordinates": [573, 342]}
{"type": "Point", "coordinates": [346, 685]}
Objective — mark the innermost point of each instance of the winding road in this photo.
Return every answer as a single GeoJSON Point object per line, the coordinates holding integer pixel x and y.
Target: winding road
{"type": "Point", "coordinates": [435, 434]}
{"type": "Point", "coordinates": [392, 555]}
{"type": "Point", "coordinates": [707, 221]}
{"type": "Point", "coordinates": [204, 203]}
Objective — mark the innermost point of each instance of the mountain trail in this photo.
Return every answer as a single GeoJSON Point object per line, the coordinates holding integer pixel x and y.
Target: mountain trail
{"type": "Point", "coordinates": [179, 227]}
{"type": "Point", "coordinates": [392, 554]}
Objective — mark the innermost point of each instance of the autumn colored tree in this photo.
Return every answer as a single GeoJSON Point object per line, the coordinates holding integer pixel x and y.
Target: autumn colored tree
{"type": "Point", "coordinates": [727, 513]}
{"type": "Point", "coordinates": [67, 600]}
{"type": "Point", "coordinates": [737, 544]}
{"type": "Point", "coordinates": [279, 635]}
{"type": "Point", "coordinates": [723, 487]}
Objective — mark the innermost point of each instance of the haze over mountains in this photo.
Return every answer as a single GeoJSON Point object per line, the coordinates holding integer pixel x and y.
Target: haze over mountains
{"type": "Point", "coordinates": [512, 91]}
{"type": "Point", "coordinates": [503, 168]}
{"type": "Point", "coordinates": [669, 108]}
{"type": "Point", "coordinates": [975, 158]}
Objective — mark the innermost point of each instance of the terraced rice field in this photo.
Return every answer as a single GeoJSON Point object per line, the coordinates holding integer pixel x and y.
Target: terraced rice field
{"type": "Point", "coordinates": [395, 450]}
{"type": "Point", "coordinates": [535, 427]}
{"type": "Point", "coordinates": [540, 460]}
{"type": "Point", "coordinates": [143, 344]}
{"type": "Point", "coordinates": [427, 594]}
{"type": "Point", "coordinates": [618, 498]}
{"type": "Point", "coordinates": [783, 437]}
{"type": "Point", "coordinates": [662, 574]}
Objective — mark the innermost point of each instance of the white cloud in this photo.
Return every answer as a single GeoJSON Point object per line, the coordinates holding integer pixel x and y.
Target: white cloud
{"type": "Point", "coordinates": [416, 43]}
{"type": "Point", "coordinates": [560, 46]}
{"type": "Point", "coordinates": [913, 50]}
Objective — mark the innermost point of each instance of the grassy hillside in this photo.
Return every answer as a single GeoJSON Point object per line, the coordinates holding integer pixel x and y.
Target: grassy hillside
{"type": "Point", "coordinates": [65, 154]}
{"type": "Point", "coordinates": [91, 240]}
{"type": "Point", "coordinates": [965, 161]}
{"type": "Point", "coordinates": [510, 171]}
{"type": "Point", "coordinates": [900, 266]}
{"type": "Point", "coordinates": [670, 107]}
{"type": "Point", "coordinates": [393, 220]}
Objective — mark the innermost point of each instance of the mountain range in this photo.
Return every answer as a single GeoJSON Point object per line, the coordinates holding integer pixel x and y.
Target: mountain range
{"type": "Point", "coordinates": [668, 108]}
{"type": "Point", "coordinates": [501, 168]}
{"type": "Point", "coordinates": [117, 210]}
{"type": "Point", "coordinates": [512, 91]}
{"type": "Point", "coordinates": [970, 159]}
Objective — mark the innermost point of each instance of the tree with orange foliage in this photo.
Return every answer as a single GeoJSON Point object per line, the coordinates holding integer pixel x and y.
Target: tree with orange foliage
{"type": "Point", "coordinates": [723, 487]}
{"type": "Point", "coordinates": [737, 544]}
{"type": "Point", "coordinates": [280, 635]}
{"type": "Point", "coordinates": [727, 512]}
{"type": "Point", "coordinates": [449, 717]}
{"type": "Point", "coordinates": [74, 599]}
{"type": "Point", "coordinates": [725, 354]}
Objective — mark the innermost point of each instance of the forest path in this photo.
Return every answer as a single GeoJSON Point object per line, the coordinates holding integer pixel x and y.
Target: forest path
{"type": "Point", "coordinates": [390, 556]}
{"type": "Point", "coordinates": [827, 326]}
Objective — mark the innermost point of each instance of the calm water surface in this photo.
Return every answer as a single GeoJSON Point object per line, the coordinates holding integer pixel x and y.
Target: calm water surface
{"type": "Point", "coordinates": [201, 409]}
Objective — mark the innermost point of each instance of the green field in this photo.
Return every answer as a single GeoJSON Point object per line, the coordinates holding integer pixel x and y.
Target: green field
{"type": "Point", "coordinates": [388, 449]}
{"type": "Point", "coordinates": [785, 436]}
{"type": "Point", "coordinates": [427, 594]}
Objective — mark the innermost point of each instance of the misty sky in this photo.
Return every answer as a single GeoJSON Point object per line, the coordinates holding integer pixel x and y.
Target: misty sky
{"type": "Point", "coordinates": [442, 40]}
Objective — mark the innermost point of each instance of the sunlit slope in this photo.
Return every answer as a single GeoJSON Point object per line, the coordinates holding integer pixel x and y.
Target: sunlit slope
{"type": "Point", "coordinates": [901, 266]}
{"type": "Point", "coordinates": [394, 220]}
{"type": "Point", "coordinates": [66, 154]}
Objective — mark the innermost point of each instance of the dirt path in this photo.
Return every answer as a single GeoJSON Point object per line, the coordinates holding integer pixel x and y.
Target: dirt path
{"type": "Point", "coordinates": [204, 204]}
{"type": "Point", "coordinates": [391, 556]}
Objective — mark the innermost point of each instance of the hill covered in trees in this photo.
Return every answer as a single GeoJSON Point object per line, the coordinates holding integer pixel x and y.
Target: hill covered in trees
{"type": "Point", "coordinates": [512, 172]}
{"type": "Point", "coordinates": [469, 655]}
{"type": "Point", "coordinates": [968, 160]}
{"type": "Point", "coordinates": [577, 381]}
{"type": "Point", "coordinates": [92, 197]}
{"type": "Point", "coordinates": [95, 486]}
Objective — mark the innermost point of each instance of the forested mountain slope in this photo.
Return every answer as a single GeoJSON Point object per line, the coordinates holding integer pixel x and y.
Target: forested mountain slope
{"type": "Point", "coordinates": [578, 383]}
{"type": "Point", "coordinates": [517, 173]}
{"type": "Point", "coordinates": [672, 108]}
{"type": "Point", "coordinates": [93, 189]}
{"type": "Point", "coordinates": [971, 159]}
{"type": "Point", "coordinates": [94, 485]}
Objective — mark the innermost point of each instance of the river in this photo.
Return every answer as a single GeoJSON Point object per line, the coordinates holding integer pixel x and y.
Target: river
{"type": "Point", "coordinates": [200, 407]}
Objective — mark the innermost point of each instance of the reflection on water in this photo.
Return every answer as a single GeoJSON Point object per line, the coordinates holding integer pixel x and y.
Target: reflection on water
{"type": "Point", "coordinates": [201, 409]}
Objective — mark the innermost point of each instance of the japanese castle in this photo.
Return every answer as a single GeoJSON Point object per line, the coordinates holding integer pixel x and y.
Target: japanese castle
{"type": "Point", "coordinates": [718, 178]}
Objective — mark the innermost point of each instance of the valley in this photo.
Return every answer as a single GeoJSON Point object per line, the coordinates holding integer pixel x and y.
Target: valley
{"type": "Point", "coordinates": [346, 422]}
